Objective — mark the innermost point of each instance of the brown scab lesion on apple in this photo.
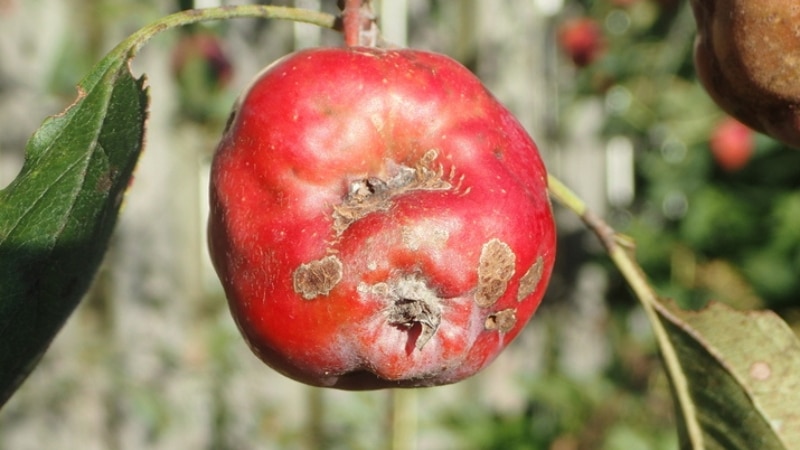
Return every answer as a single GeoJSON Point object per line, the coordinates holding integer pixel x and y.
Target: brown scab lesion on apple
{"type": "Point", "coordinates": [370, 194]}
{"type": "Point", "coordinates": [495, 269]}
{"type": "Point", "coordinates": [502, 321]}
{"type": "Point", "coordinates": [530, 280]}
{"type": "Point", "coordinates": [316, 278]}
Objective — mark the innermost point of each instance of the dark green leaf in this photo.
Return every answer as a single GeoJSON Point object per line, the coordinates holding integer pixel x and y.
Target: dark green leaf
{"type": "Point", "coordinates": [56, 217]}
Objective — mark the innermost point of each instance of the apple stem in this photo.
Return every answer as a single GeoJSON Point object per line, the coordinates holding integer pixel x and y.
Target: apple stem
{"type": "Point", "coordinates": [358, 23]}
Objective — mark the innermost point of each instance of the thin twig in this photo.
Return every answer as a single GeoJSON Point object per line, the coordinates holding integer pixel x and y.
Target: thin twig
{"type": "Point", "coordinates": [637, 280]}
{"type": "Point", "coordinates": [134, 42]}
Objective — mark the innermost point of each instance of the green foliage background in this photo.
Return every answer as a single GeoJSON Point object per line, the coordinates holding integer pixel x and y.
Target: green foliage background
{"type": "Point", "coordinates": [702, 233]}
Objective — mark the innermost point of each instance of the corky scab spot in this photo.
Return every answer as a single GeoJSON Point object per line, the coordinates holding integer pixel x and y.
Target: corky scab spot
{"type": "Point", "coordinates": [495, 268]}
{"type": "Point", "coordinates": [372, 194]}
{"type": "Point", "coordinates": [530, 281]}
{"type": "Point", "coordinates": [317, 277]}
{"type": "Point", "coordinates": [502, 321]}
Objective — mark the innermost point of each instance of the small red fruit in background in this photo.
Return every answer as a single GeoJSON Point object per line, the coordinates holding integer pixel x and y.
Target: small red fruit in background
{"type": "Point", "coordinates": [202, 69]}
{"type": "Point", "coordinates": [378, 219]}
{"type": "Point", "coordinates": [731, 144]}
{"type": "Point", "coordinates": [202, 51]}
{"type": "Point", "coordinates": [582, 40]}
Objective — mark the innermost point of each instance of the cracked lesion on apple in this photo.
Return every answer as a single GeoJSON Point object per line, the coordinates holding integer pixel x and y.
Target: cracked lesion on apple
{"type": "Point", "coordinates": [410, 303]}
{"type": "Point", "coordinates": [502, 321]}
{"type": "Point", "coordinates": [495, 269]}
{"type": "Point", "coordinates": [372, 194]}
{"type": "Point", "coordinates": [530, 281]}
{"type": "Point", "coordinates": [316, 278]}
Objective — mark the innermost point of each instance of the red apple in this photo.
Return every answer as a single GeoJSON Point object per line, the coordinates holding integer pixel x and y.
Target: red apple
{"type": "Point", "coordinates": [731, 144]}
{"type": "Point", "coordinates": [378, 219]}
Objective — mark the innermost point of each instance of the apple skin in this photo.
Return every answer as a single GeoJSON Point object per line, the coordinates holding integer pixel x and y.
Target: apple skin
{"type": "Point", "coordinates": [378, 219]}
{"type": "Point", "coordinates": [731, 144]}
{"type": "Point", "coordinates": [748, 59]}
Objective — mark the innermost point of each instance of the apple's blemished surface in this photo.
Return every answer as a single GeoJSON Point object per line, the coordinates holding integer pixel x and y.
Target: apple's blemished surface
{"type": "Point", "coordinates": [378, 219]}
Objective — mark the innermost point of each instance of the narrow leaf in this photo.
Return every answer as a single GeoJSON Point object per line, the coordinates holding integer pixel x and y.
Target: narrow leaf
{"type": "Point", "coordinates": [56, 217]}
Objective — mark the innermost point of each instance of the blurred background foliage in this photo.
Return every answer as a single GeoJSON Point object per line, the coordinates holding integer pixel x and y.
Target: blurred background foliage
{"type": "Point", "coordinates": [704, 230]}
{"type": "Point", "coordinates": [152, 359]}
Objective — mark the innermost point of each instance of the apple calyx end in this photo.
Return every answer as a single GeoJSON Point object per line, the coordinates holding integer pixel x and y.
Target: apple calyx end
{"type": "Point", "coordinates": [411, 305]}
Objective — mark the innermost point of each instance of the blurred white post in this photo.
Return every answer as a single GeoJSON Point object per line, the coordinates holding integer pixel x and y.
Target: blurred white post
{"type": "Point", "coordinates": [620, 183]}
{"type": "Point", "coordinates": [306, 35]}
{"type": "Point", "coordinates": [393, 21]}
{"type": "Point", "coordinates": [207, 3]}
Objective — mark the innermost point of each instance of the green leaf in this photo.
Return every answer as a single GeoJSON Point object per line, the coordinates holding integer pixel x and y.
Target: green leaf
{"type": "Point", "coordinates": [741, 376]}
{"type": "Point", "coordinates": [57, 216]}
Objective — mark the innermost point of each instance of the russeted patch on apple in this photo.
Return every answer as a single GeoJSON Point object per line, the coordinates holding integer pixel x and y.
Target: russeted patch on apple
{"type": "Point", "coordinates": [378, 219]}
